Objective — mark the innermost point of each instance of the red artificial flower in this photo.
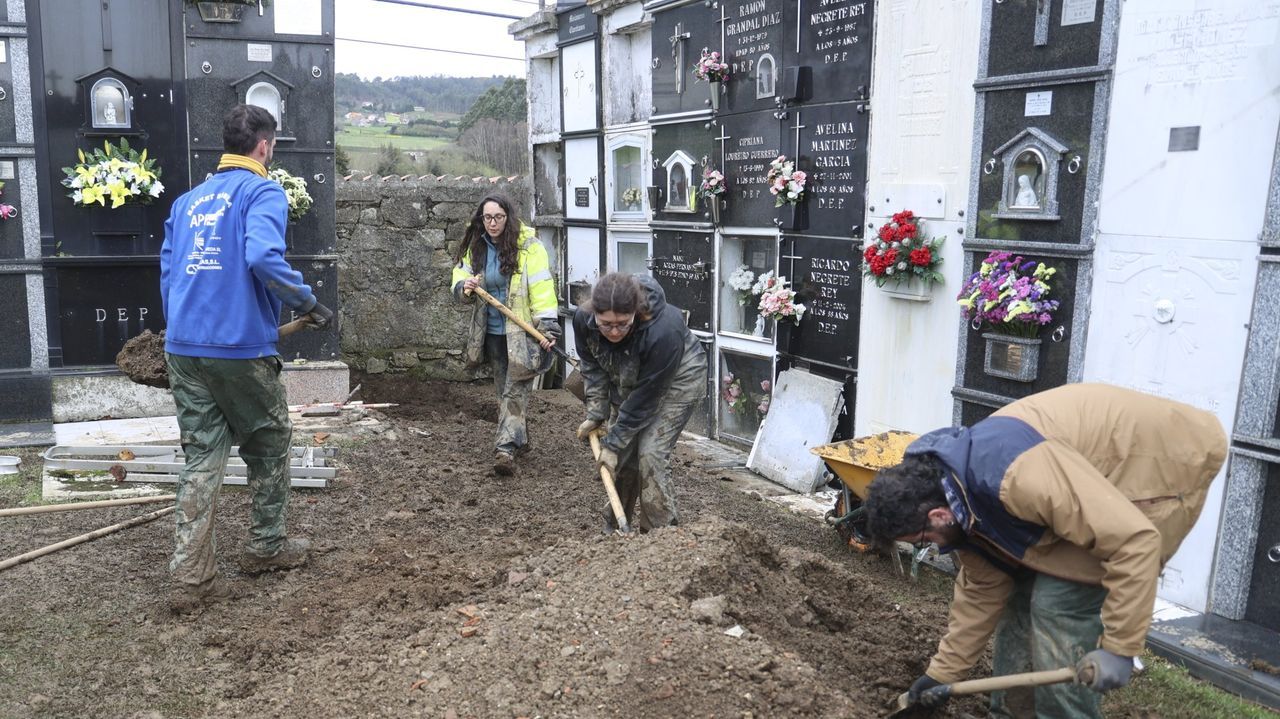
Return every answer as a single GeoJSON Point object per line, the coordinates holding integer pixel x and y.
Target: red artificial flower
{"type": "Point", "coordinates": [905, 231]}
{"type": "Point", "coordinates": [904, 216]}
{"type": "Point", "coordinates": [886, 232]}
{"type": "Point", "coordinates": [869, 253]}
{"type": "Point", "coordinates": [921, 257]}
{"type": "Point", "coordinates": [890, 257]}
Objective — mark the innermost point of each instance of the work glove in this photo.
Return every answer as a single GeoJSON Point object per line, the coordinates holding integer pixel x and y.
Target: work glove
{"type": "Point", "coordinates": [319, 317]}
{"type": "Point", "coordinates": [551, 329]}
{"type": "Point", "coordinates": [608, 460]}
{"type": "Point", "coordinates": [928, 692]}
{"type": "Point", "coordinates": [1102, 671]}
{"type": "Point", "coordinates": [586, 428]}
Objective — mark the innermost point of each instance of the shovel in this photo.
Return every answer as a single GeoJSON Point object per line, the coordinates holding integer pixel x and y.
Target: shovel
{"type": "Point", "coordinates": [619, 515]}
{"type": "Point", "coordinates": [573, 382]}
{"type": "Point", "coordinates": [904, 707]}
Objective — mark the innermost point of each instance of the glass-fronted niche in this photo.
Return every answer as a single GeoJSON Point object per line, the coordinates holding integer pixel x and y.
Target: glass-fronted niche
{"type": "Point", "coordinates": [629, 252]}
{"type": "Point", "coordinates": [744, 389]}
{"type": "Point", "coordinates": [627, 201]}
{"type": "Point", "coordinates": [746, 261]}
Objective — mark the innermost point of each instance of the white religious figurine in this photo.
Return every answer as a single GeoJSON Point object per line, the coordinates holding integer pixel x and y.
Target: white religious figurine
{"type": "Point", "coordinates": [109, 113]}
{"type": "Point", "coordinates": [1026, 193]}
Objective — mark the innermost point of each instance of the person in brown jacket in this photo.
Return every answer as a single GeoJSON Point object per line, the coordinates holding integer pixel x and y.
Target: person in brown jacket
{"type": "Point", "coordinates": [1061, 510]}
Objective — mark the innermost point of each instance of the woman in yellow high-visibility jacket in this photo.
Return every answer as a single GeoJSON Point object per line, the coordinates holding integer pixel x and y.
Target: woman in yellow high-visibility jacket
{"type": "Point", "coordinates": [503, 256]}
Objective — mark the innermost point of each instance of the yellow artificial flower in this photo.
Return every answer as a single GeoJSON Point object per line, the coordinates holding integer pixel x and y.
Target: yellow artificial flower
{"type": "Point", "coordinates": [119, 193]}
{"type": "Point", "coordinates": [91, 194]}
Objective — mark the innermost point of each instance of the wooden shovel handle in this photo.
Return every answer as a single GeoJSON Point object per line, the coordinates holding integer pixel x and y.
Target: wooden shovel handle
{"type": "Point", "coordinates": [609, 488]}
{"type": "Point", "coordinates": [533, 331]}
{"type": "Point", "coordinates": [1009, 681]}
{"type": "Point", "coordinates": [289, 328]}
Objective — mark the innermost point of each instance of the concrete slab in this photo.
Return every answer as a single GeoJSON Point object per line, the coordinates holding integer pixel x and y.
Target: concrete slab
{"type": "Point", "coordinates": [30, 434]}
{"type": "Point", "coordinates": [803, 414]}
{"type": "Point", "coordinates": [140, 430]}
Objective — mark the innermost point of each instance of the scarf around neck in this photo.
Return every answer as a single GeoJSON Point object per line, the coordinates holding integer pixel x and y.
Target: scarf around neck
{"type": "Point", "coordinates": [231, 160]}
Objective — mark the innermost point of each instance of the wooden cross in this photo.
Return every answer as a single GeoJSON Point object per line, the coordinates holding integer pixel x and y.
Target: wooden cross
{"type": "Point", "coordinates": [1042, 22]}
{"type": "Point", "coordinates": [677, 39]}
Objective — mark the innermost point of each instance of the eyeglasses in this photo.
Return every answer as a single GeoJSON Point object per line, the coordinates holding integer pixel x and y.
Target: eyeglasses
{"type": "Point", "coordinates": [921, 542]}
{"type": "Point", "coordinates": [490, 219]}
{"type": "Point", "coordinates": [615, 326]}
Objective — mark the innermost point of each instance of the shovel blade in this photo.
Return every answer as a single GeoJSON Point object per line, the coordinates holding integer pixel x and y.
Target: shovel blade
{"type": "Point", "coordinates": [902, 708]}
{"type": "Point", "coordinates": [576, 386]}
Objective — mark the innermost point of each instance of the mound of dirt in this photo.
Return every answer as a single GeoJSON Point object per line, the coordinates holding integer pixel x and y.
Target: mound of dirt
{"type": "Point", "coordinates": [142, 360]}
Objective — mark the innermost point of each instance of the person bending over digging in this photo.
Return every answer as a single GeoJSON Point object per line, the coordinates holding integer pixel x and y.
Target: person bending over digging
{"type": "Point", "coordinates": [223, 281]}
{"type": "Point", "coordinates": [1060, 509]}
{"type": "Point", "coordinates": [641, 365]}
{"type": "Point", "coordinates": [501, 255]}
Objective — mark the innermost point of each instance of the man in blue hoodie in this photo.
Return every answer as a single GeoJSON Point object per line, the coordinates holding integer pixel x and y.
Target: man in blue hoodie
{"type": "Point", "coordinates": [223, 281]}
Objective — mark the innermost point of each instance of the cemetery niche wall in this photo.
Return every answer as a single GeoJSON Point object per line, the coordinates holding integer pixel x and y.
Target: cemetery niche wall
{"type": "Point", "coordinates": [104, 85]}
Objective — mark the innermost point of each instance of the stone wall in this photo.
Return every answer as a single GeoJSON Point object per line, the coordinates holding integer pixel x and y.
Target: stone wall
{"type": "Point", "coordinates": [396, 243]}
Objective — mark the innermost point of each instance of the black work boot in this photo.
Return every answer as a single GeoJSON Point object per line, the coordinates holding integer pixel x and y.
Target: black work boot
{"type": "Point", "coordinates": [504, 465]}
{"type": "Point", "coordinates": [293, 553]}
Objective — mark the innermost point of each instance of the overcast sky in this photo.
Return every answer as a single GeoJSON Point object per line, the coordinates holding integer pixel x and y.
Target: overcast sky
{"type": "Point", "coordinates": [423, 27]}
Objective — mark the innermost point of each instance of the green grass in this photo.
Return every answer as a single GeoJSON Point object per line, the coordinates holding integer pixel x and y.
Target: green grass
{"type": "Point", "coordinates": [1167, 691]}
{"type": "Point", "coordinates": [23, 489]}
{"type": "Point", "coordinates": [354, 139]}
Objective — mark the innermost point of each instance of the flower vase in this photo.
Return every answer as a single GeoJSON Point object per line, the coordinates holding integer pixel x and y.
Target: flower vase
{"type": "Point", "coordinates": [713, 204]}
{"type": "Point", "coordinates": [716, 88]}
{"type": "Point", "coordinates": [220, 10]}
{"type": "Point", "coordinates": [1009, 357]}
{"type": "Point", "coordinates": [655, 197]}
{"type": "Point", "coordinates": [913, 290]}
{"type": "Point", "coordinates": [793, 216]}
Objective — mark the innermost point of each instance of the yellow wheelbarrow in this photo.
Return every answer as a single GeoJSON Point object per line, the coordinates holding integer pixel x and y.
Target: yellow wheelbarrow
{"type": "Point", "coordinates": [855, 463]}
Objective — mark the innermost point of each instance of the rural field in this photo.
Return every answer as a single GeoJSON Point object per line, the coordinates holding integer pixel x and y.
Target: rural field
{"type": "Point", "coordinates": [437, 590]}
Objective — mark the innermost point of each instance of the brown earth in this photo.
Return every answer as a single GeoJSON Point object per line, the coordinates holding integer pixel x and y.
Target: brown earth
{"type": "Point", "coordinates": [438, 590]}
{"type": "Point", "coordinates": [142, 360]}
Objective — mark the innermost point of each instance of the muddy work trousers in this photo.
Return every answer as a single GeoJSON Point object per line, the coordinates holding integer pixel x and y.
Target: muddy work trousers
{"type": "Point", "coordinates": [513, 398]}
{"type": "Point", "coordinates": [1048, 623]}
{"type": "Point", "coordinates": [644, 468]}
{"type": "Point", "coordinates": [219, 400]}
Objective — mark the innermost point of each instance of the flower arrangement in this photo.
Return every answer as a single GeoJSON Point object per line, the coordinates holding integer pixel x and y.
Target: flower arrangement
{"type": "Point", "coordinates": [121, 174]}
{"type": "Point", "coordinates": [7, 211]}
{"type": "Point", "coordinates": [1010, 294]}
{"type": "Point", "coordinates": [631, 197]}
{"type": "Point", "coordinates": [711, 67]}
{"type": "Point", "coordinates": [786, 183]}
{"type": "Point", "coordinates": [740, 402]}
{"type": "Point", "coordinates": [777, 300]}
{"type": "Point", "coordinates": [712, 185]}
{"type": "Point", "coordinates": [763, 406]}
{"type": "Point", "coordinates": [295, 188]}
{"type": "Point", "coordinates": [899, 253]}
{"type": "Point", "coordinates": [742, 280]}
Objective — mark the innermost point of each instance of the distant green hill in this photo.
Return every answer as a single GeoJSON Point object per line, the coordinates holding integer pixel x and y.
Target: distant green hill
{"type": "Point", "coordinates": [451, 95]}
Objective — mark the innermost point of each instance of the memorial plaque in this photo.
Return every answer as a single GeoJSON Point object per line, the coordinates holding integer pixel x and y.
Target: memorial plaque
{"type": "Point", "coordinates": [844, 421]}
{"type": "Point", "coordinates": [577, 24]}
{"type": "Point", "coordinates": [679, 33]}
{"type": "Point", "coordinates": [583, 180]}
{"type": "Point", "coordinates": [1054, 354]}
{"type": "Point", "coordinates": [579, 80]}
{"type": "Point", "coordinates": [8, 126]}
{"type": "Point", "coordinates": [827, 276]}
{"type": "Point", "coordinates": [830, 142]}
{"type": "Point", "coordinates": [1069, 125]}
{"type": "Point", "coordinates": [15, 351]}
{"type": "Point", "coordinates": [11, 241]}
{"type": "Point", "coordinates": [261, 28]}
{"type": "Point", "coordinates": [682, 263]}
{"type": "Point", "coordinates": [753, 37]}
{"type": "Point", "coordinates": [1038, 35]}
{"type": "Point", "coordinates": [101, 307]}
{"type": "Point", "coordinates": [833, 38]}
{"type": "Point", "coordinates": [680, 153]}
{"type": "Point", "coordinates": [748, 143]}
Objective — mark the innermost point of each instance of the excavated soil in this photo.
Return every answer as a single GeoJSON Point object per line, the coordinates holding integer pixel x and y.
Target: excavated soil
{"type": "Point", "coordinates": [438, 590]}
{"type": "Point", "coordinates": [142, 360]}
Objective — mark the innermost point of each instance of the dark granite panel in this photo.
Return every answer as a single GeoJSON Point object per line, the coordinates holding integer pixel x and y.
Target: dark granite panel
{"type": "Point", "coordinates": [1264, 585]}
{"type": "Point", "coordinates": [15, 351]}
{"type": "Point", "coordinates": [677, 175]}
{"type": "Point", "coordinates": [100, 307]}
{"type": "Point", "coordinates": [1070, 124]}
{"type": "Point", "coordinates": [314, 234]}
{"type": "Point", "coordinates": [1013, 31]}
{"type": "Point", "coordinates": [26, 397]}
{"type": "Point", "coordinates": [827, 278]}
{"type": "Point", "coordinates": [675, 52]}
{"type": "Point", "coordinates": [252, 25]}
{"type": "Point", "coordinates": [314, 344]}
{"type": "Point", "coordinates": [830, 146]}
{"type": "Point", "coordinates": [11, 240]}
{"type": "Point", "coordinates": [142, 58]}
{"type": "Point", "coordinates": [682, 263]}
{"type": "Point", "coordinates": [971, 413]}
{"type": "Point", "coordinates": [1054, 356]}
{"type": "Point", "coordinates": [835, 43]}
{"type": "Point", "coordinates": [578, 23]}
{"type": "Point", "coordinates": [8, 126]}
{"type": "Point", "coordinates": [755, 50]}
{"type": "Point", "coordinates": [751, 142]}
{"type": "Point", "coordinates": [231, 75]}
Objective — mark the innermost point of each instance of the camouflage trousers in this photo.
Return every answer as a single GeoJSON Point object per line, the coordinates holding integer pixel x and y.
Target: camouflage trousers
{"type": "Point", "coordinates": [644, 467]}
{"type": "Point", "coordinates": [513, 398]}
{"type": "Point", "coordinates": [218, 400]}
{"type": "Point", "coordinates": [1048, 623]}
